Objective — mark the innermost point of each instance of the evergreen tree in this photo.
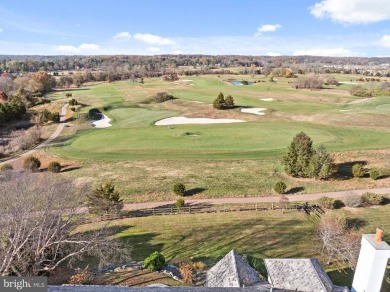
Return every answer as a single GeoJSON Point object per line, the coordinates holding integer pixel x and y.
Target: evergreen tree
{"type": "Point", "coordinates": [219, 102]}
{"type": "Point", "coordinates": [229, 101]}
{"type": "Point", "coordinates": [104, 199]}
{"type": "Point", "coordinates": [299, 154]}
{"type": "Point", "coordinates": [321, 164]}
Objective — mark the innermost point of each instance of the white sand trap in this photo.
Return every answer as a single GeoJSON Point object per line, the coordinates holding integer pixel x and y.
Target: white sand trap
{"type": "Point", "coordinates": [267, 99]}
{"type": "Point", "coordinates": [256, 111]}
{"type": "Point", "coordinates": [195, 101]}
{"type": "Point", "coordinates": [345, 110]}
{"type": "Point", "coordinates": [102, 123]}
{"type": "Point", "coordinates": [185, 80]}
{"type": "Point", "coordinates": [346, 82]}
{"type": "Point", "coordinates": [188, 121]}
{"type": "Point", "coordinates": [192, 84]}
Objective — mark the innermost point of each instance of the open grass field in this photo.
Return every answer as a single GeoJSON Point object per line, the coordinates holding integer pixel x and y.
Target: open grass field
{"type": "Point", "coordinates": [241, 159]}
{"type": "Point", "coordinates": [263, 234]}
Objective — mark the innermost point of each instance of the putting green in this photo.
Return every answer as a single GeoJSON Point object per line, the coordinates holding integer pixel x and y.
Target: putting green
{"type": "Point", "coordinates": [133, 134]}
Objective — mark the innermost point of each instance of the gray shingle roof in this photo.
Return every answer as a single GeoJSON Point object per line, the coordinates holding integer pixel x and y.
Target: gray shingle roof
{"type": "Point", "coordinates": [231, 271]}
{"type": "Point", "coordinates": [305, 275]}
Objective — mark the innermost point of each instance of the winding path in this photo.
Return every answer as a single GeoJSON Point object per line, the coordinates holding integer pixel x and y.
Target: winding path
{"type": "Point", "coordinates": [53, 136]}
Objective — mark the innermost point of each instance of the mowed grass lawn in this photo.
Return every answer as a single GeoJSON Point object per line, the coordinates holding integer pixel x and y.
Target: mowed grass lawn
{"type": "Point", "coordinates": [263, 234]}
{"type": "Point", "coordinates": [133, 134]}
{"type": "Point", "coordinates": [240, 159]}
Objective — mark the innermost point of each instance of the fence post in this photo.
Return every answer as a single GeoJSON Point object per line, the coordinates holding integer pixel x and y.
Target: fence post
{"type": "Point", "coordinates": [153, 211]}
{"type": "Point", "coordinates": [171, 210]}
{"type": "Point", "coordinates": [272, 206]}
{"type": "Point", "coordinates": [189, 209]}
{"type": "Point", "coordinates": [256, 206]}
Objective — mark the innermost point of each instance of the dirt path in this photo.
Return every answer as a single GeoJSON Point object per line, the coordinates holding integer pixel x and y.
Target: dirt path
{"type": "Point", "coordinates": [292, 198]}
{"type": "Point", "coordinates": [53, 136]}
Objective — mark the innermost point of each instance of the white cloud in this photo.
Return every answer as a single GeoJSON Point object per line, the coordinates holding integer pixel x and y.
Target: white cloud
{"type": "Point", "coordinates": [177, 52]}
{"type": "Point", "coordinates": [153, 39]}
{"type": "Point", "coordinates": [80, 49]}
{"type": "Point", "coordinates": [273, 54]}
{"type": "Point", "coordinates": [268, 28]}
{"type": "Point", "coordinates": [339, 52]}
{"type": "Point", "coordinates": [124, 35]}
{"type": "Point", "coordinates": [385, 41]}
{"type": "Point", "coordinates": [153, 49]}
{"type": "Point", "coordinates": [352, 11]}
{"type": "Point", "coordinates": [92, 47]}
{"type": "Point", "coordinates": [1, 30]}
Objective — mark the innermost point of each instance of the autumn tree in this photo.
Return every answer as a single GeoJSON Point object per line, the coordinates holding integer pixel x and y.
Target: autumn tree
{"type": "Point", "coordinates": [47, 81]}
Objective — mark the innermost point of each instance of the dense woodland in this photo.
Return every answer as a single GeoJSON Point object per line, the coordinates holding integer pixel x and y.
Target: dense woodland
{"type": "Point", "coordinates": [150, 65]}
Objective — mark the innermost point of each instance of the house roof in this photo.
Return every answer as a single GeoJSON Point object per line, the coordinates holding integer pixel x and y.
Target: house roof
{"type": "Point", "coordinates": [231, 271]}
{"type": "Point", "coordinates": [305, 275]}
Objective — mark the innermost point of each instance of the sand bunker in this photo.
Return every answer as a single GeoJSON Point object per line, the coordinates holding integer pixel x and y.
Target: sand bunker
{"type": "Point", "coordinates": [256, 111]}
{"type": "Point", "coordinates": [267, 99]}
{"type": "Point", "coordinates": [104, 122]}
{"type": "Point", "coordinates": [345, 110]}
{"type": "Point", "coordinates": [185, 80]}
{"type": "Point", "coordinates": [188, 121]}
{"type": "Point", "coordinates": [346, 82]}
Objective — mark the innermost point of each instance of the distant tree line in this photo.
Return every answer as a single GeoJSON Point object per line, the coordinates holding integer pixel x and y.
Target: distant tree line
{"type": "Point", "coordinates": [149, 65]}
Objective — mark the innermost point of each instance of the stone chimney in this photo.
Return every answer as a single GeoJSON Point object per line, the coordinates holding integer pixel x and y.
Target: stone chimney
{"type": "Point", "coordinates": [371, 266]}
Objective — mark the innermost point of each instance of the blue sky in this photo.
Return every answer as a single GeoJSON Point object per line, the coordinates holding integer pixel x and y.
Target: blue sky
{"type": "Point", "coordinates": [244, 27]}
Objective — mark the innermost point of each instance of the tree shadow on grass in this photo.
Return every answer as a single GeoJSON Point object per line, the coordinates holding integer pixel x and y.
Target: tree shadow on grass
{"type": "Point", "coordinates": [295, 190]}
{"type": "Point", "coordinates": [344, 169]}
{"type": "Point", "coordinates": [194, 191]}
{"type": "Point", "coordinates": [67, 169]}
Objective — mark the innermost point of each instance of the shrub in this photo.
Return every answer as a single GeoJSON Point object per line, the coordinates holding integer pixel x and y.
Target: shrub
{"type": "Point", "coordinates": [156, 261]}
{"type": "Point", "coordinates": [179, 189]}
{"type": "Point", "coordinates": [82, 277]}
{"type": "Point", "coordinates": [327, 203]}
{"type": "Point", "coordinates": [370, 199]}
{"type": "Point", "coordinates": [5, 167]}
{"type": "Point", "coordinates": [280, 187]}
{"type": "Point", "coordinates": [32, 163]}
{"type": "Point", "coordinates": [162, 96]}
{"type": "Point", "coordinates": [375, 174]}
{"type": "Point", "coordinates": [360, 91]}
{"type": "Point", "coordinates": [54, 167]}
{"type": "Point", "coordinates": [73, 102]}
{"type": "Point", "coordinates": [73, 109]}
{"type": "Point", "coordinates": [357, 170]}
{"type": "Point", "coordinates": [353, 201]}
{"type": "Point", "coordinates": [180, 203]}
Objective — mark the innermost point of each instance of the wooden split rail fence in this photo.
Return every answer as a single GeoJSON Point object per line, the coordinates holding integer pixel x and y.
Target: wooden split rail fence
{"type": "Point", "coordinates": [206, 208]}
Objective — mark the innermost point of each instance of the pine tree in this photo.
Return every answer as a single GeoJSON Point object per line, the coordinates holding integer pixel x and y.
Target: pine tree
{"type": "Point", "coordinates": [229, 101]}
{"type": "Point", "coordinates": [104, 199]}
{"type": "Point", "coordinates": [219, 102]}
{"type": "Point", "coordinates": [299, 154]}
{"type": "Point", "coordinates": [321, 164]}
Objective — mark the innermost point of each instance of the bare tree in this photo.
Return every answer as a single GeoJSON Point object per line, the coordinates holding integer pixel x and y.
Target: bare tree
{"type": "Point", "coordinates": [39, 227]}
{"type": "Point", "coordinates": [339, 244]}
